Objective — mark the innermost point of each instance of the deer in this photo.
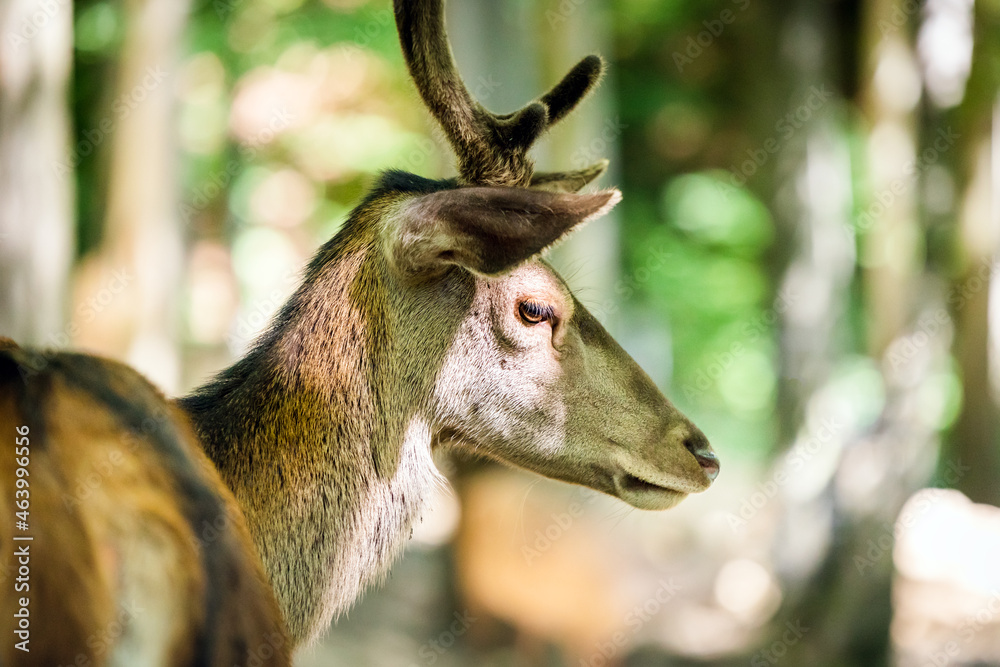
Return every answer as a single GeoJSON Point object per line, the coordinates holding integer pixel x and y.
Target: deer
{"type": "Point", "coordinates": [121, 545]}
{"type": "Point", "coordinates": [429, 322]}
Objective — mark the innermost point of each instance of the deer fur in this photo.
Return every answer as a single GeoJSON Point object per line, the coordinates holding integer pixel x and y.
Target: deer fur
{"type": "Point", "coordinates": [327, 424]}
{"type": "Point", "coordinates": [387, 350]}
{"type": "Point", "coordinates": [429, 320]}
{"type": "Point", "coordinates": [139, 553]}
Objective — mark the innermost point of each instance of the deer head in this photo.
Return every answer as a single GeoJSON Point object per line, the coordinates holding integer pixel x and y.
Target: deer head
{"type": "Point", "coordinates": [530, 377]}
{"type": "Point", "coordinates": [430, 320]}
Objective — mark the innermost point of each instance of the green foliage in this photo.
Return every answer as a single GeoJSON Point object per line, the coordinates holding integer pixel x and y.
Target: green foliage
{"type": "Point", "coordinates": [716, 214]}
{"type": "Point", "coordinates": [98, 29]}
{"type": "Point", "coordinates": [714, 291]}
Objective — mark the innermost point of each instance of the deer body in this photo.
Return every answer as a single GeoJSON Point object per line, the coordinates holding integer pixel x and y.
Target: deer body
{"type": "Point", "coordinates": [428, 321]}
{"type": "Point", "coordinates": [133, 551]}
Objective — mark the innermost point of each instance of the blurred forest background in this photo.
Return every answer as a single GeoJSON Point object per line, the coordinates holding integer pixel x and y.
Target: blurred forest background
{"type": "Point", "coordinates": [803, 260]}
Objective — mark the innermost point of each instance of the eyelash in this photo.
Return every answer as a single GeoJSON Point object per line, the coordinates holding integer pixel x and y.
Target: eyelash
{"type": "Point", "coordinates": [533, 313]}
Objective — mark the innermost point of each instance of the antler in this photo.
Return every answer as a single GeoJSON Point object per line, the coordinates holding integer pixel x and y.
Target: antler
{"type": "Point", "coordinates": [492, 149]}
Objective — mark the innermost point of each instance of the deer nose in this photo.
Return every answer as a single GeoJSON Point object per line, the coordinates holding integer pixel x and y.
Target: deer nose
{"type": "Point", "coordinates": [697, 444]}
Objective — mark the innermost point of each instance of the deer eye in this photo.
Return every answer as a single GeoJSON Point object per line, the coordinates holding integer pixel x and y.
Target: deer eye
{"type": "Point", "coordinates": [533, 312]}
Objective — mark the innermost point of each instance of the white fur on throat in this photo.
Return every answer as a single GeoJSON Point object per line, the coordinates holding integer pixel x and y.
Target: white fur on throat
{"type": "Point", "coordinates": [378, 529]}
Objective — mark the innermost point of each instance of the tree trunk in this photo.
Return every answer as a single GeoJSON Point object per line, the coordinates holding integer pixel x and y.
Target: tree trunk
{"type": "Point", "coordinates": [844, 602]}
{"type": "Point", "coordinates": [36, 221]}
{"type": "Point", "coordinates": [130, 283]}
{"type": "Point", "coordinates": [975, 439]}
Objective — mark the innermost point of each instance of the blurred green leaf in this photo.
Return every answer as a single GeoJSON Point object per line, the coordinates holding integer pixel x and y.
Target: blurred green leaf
{"type": "Point", "coordinates": [98, 28]}
{"type": "Point", "coordinates": [715, 212]}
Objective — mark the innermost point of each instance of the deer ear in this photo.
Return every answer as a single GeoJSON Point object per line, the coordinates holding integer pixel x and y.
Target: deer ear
{"type": "Point", "coordinates": [568, 181]}
{"type": "Point", "coordinates": [488, 230]}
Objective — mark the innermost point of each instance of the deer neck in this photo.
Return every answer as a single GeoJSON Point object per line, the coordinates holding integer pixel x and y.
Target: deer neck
{"type": "Point", "coordinates": [322, 435]}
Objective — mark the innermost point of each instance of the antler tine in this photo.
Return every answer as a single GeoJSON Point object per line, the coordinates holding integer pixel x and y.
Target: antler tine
{"type": "Point", "coordinates": [491, 149]}
{"type": "Point", "coordinates": [566, 94]}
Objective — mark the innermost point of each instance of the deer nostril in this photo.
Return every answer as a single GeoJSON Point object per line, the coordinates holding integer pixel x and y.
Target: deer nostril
{"type": "Point", "coordinates": [697, 444]}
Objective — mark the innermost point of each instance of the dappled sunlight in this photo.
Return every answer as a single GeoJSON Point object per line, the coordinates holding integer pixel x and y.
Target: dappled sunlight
{"type": "Point", "coordinates": [948, 539]}
{"type": "Point", "coordinates": [745, 588]}
{"type": "Point", "coordinates": [203, 121]}
{"type": "Point", "coordinates": [897, 80]}
{"type": "Point", "coordinates": [284, 198]}
{"type": "Point", "coordinates": [213, 298]}
{"type": "Point", "coordinates": [945, 47]}
{"type": "Point", "coordinates": [947, 586]}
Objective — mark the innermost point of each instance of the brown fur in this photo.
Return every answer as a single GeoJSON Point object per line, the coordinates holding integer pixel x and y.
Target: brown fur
{"type": "Point", "coordinates": [121, 557]}
{"type": "Point", "coordinates": [407, 332]}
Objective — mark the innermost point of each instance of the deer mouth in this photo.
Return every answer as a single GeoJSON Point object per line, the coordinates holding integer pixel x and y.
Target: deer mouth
{"type": "Point", "coordinates": [646, 495]}
{"type": "Point", "coordinates": [639, 485]}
